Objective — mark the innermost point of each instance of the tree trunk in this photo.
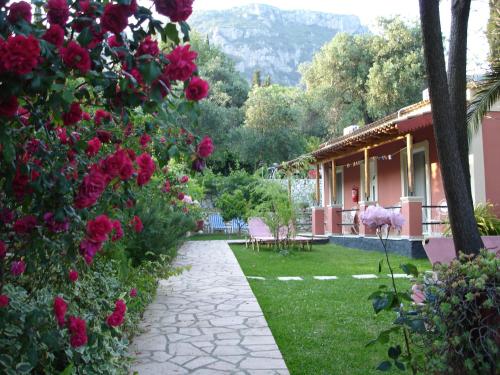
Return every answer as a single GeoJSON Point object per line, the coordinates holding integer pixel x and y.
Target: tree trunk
{"type": "Point", "coordinates": [461, 214]}
{"type": "Point", "coordinates": [457, 80]}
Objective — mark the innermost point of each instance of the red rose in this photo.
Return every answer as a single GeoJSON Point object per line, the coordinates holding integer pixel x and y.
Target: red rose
{"type": "Point", "coordinates": [93, 146]}
{"type": "Point", "coordinates": [137, 224]}
{"type": "Point", "coordinates": [20, 185]}
{"type": "Point", "coordinates": [180, 196]}
{"type": "Point", "coordinates": [25, 224]}
{"type": "Point", "coordinates": [76, 57]}
{"type": "Point", "coordinates": [118, 165]}
{"type": "Point", "coordinates": [163, 84]}
{"type": "Point", "coordinates": [86, 116]}
{"type": "Point", "coordinates": [89, 249]}
{"type": "Point", "coordinates": [73, 275]}
{"type": "Point", "coordinates": [176, 10]}
{"type": "Point", "coordinates": [54, 35]}
{"type": "Point", "coordinates": [20, 54]}
{"type": "Point", "coordinates": [181, 63]}
{"type": "Point", "coordinates": [197, 89]}
{"type": "Point", "coordinates": [91, 189]}
{"type": "Point", "coordinates": [54, 225]}
{"type": "Point", "coordinates": [3, 250]}
{"type": "Point", "coordinates": [9, 106]}
{"type": "Point", "coordinates": [148, 47]}
{"type": "Point", "coordinates": [19, 11]}
{"type": "Point", "coordinates": [99, 228]}
{"type": "Point", "coordinates": [205, 148]}
{"type": "Point", "coordinates": [146, 169]}
{"type": "Point", "coordinates": [117, 317]}
{"type": "Point", "coordinates": [57, 12]}
{"type": "Point", "coordinates": [166, 187]}
{"type": "Point", "coordinates": [118, 230]}
{"type": "Point", "coordinates": [101, 115]}
{"type": "Point", "coordinates": [78, 330]}
{"type": "Point", "coordinates": [184, 179]}
{"type": "Point", "coordinates": [4, 300]}
{"type": "Point", "coordinates": [115, 18]}
{"type": "Point", "coordinates": [60, 308]}
{"type": "Point", "coordinates": [17, 268]}
{"type": "Point", "coordinates": [74, 115]}
{"type": "Point", "coordinates": [133, 292]}
{"type": "Point", "coordinates": [144, 140]}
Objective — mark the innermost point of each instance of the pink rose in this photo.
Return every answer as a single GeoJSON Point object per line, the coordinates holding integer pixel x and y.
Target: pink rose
{"type": "Point", "coordinates": [78, 330]}
{"type": "Point", "coordinates": [115, 18]}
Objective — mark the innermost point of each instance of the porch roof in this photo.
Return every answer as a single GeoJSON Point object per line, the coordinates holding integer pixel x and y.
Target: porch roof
{"type": "Point", "coordinates": [406, 120]}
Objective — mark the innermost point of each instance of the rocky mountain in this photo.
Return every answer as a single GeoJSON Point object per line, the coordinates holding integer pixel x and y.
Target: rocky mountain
{"type": "Point", "coordinates": [274, 41]}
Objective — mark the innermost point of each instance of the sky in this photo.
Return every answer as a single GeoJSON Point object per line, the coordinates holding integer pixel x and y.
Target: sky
{"type": "Point", "coordinates": [369, 10]}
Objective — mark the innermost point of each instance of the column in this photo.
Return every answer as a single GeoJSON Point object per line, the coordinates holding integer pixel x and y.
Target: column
{"type": "Point", "coordinates": [411, 209]}
{"type": "Point", "coordinates": [334, 214]}
{"type": "Point", "coordinates": [317, 186]}
{"type": "Point", "coordinates": [318, 221]}
{"type": "Point", "coordinates": [409, 163]}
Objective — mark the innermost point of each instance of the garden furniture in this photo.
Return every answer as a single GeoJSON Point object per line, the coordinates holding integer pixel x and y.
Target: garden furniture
{"type": "Point", "coordinates": [216, 223]}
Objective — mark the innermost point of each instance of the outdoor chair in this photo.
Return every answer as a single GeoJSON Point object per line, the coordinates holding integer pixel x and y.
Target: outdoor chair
{"type": "Point", "coordinates": [216, 223]}
{"type": "Point", "coordinates": [259, 233]}
{"type": "Point", "coordinates": [238, 225]}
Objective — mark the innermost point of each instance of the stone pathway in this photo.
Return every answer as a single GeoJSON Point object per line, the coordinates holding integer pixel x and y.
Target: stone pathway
{"type": "Point", "coordinates": [206, 321]}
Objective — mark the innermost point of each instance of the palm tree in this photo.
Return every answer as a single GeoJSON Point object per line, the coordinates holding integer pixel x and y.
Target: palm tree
{"type": "Point", "coordinates": [488, 92]}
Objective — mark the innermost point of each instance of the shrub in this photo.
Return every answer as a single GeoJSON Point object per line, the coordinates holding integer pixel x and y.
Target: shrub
{"type": "Point", "coordinates": [232, 205]}
{"type": "Point", "coordinates": [463, 317]}
{"type": "Point", "coordinates": [487, 221]}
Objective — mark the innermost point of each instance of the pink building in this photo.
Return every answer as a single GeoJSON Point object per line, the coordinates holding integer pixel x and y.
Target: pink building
{"type": "Point", "coordinates": [393, 163]}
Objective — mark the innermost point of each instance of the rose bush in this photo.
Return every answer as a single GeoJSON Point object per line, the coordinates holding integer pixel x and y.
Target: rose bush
{"type": "Point", "coordinates": [87, 119]}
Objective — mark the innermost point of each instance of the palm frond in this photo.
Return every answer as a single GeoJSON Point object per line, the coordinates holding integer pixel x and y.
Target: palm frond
{"type": "Point", "coordinates": [487, 94]}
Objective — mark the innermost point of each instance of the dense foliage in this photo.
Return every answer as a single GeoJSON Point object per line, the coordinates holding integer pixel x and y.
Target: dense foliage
{"type": "Point", "coordinates": [87, 121]}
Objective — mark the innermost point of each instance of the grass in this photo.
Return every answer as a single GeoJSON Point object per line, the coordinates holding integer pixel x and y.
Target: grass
{"type": "Point", "coordinates": [216, 236]}
{"type": "Point", "coordinates": [321, 327]}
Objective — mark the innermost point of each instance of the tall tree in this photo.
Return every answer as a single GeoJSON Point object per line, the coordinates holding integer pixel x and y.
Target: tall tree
{"type": "Point", "coordinates": [256, 79]}
{"type": "Point", "coordinates": [493, 31]}
{"type": "Point", "coordinates": [448, 101]}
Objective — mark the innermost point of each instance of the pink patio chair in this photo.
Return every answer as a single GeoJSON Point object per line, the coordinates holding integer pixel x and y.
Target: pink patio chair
{"type": "Point", "coordinates": [258, 232]}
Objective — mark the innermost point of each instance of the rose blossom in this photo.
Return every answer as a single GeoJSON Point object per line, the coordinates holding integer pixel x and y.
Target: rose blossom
{"type": "Point", "coordinates": [20, 54]}
{"type": "Point", "coordinates": [73, 275]}
{"type": "Point", "coordinates": [9, 106]}
{"type": "Point", "coordinates": [198, 165]}
{"type": "Point", "coordinates": [54, 225]}
{"type": "Point", "coordinates": [148, 47]}
{"type": "Point", "coordinates": [78, 330]}
{"type": "Point", "coordinates": [117, 317]}
{"type": "Point", "coordinates": [181, 63]}
{"type": "Point", "coordinates": [205, 148]}
{"type": "Point", "coordinates": [144, 140]}
{"type": "Point", "coordinates": [117, 165]}
{"type": "Point", "coordinates": [3, 249]}
{"type": "Point", "coordinates": [197, 89]}
{"type": "Point", "coordinates": [91, 189]}
{"type": "Point", "coordinates": [146, 169]}
{"type": "Point", "coordinates": [25, 224]}
{"type": "Point", "coordinates": [133, 292]}
{"type": "Point", "coordinates": [99, 228]}
{"type": "Point", "coordinates": [115, 18]}
{"type": "Point", "coordinates": [184, 179]}
{"type": "Point", "coordinates": [17, 267]}
{"type": "Point", "coordinates": [117, 229]}
{"type": "Point", "coordinates": [57, 12]}
{"type": "Point", "coordinates": [54, 35]}
{"type": "Point", "coordinates": [89, 249]}
{"type": "Point", "coordinates": [137, 224]}
{"type": "Point", "coordinates": [76, 57]}
{"type": "Point", "coordinates": [93, 147]}
{"type": "Point", "coordinates": [101, 115]}
{"type": "Point", "coordinates": [166, 187]}
{"type": "Point", "coordinates": [18, 11]}
{"type": "Point", "coordinates": [74, 115]}
{"type": "Point", "coordinates": [60, 308]}
{"type": "Point", "coordinates": [4, 300]}
{"type": "Point", "coordinates": [180, 196]}
{"type": "Point", "coordinates": [176, 10]}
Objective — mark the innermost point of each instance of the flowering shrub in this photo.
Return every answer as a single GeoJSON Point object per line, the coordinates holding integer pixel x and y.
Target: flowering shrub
{"type": "Point", "coordinates": [75, 78]}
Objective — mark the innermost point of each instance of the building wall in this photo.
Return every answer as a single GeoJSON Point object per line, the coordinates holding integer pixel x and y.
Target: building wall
{"type": "Point", "coordinates": [491, 142]}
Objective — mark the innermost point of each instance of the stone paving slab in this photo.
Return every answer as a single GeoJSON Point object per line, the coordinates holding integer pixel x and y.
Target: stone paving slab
{"type": "Point", "coordinates": [206, 321]}
{"type": "Point", "coordinates": [368, 276]}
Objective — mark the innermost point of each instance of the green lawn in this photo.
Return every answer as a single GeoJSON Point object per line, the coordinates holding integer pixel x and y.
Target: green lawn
{"type": "Point", "coordinates": [321, 327]}
{"type": "Point", "coordinates": [216, 236]}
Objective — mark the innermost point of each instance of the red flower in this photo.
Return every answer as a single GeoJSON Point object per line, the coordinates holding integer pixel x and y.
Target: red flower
{"type": "Point", "coordinates": [117, 317]}
{"type": "Point", "coordinates": [205, 148]}
{"type": "Point", "coordinates": [89, 249]}
{"type": "Point", "coordinates": [91, 189]}
{"type": "Point", "coordinates": [197, 89]}
{"type": "Point", "coordinates": [137, 224]}
{"type": "Point", "coordinates": [184, 179]}
{"type": "Point", "coordinates": [198, 165]}
{"type": "Point", "coordinates": [60, 308]}
{"type": "Point", "coordinates": [76, 57]}
{"type": "Point", "coordinates": [99, 228]}
{"type": "Point", "coordinates": [144, 140]}
{"type": "Point", "coordinates": [19, 11]}
{"type": "Point", "coordinates": [180, 196]}
{"type": "Point", "coordinates": [25, 224]}
{"type": "Point", "coordinates": [6, 216]}
{"type": "Point", "coordinates": [115, 18]}
{"type": "Point", "coordinates": [148, 47]}
{"type": "Point", "coordinates": [176, 10]}
{"type": "Point", "coordinates": [54, 35]}
{"type": "Point", "coordinates": [73, 275]}
{"type": "Point", "coordinates": [133, 292]}
{"type": "Point", "coordinates": [181, 63]}
{"type": "Point", "coordinates": [93, 146]}
{"type": "Point", "coordinates": [118, 165]}
{"type": "Point", "coordinates": [78, 330]}
{"type": "Point", "coordinates": [163, 84]}
{"type": "Point", "coordinates": [20, 185]}
{"type": "Point", "coordinates": [166, 187]}
{"type": "Point", "coordinates": [20, 54]}
{"type": "Point", "coordinates": [54, 225]}
{"type": "Point", "coordinates": [86, 116]}
{"type": "Point", "coordinates": [9, 106]}
{"type": "Point", "coordinates": [118, 230]}
{"type": "Point", "coordinates": [74, 115]}
{"type": "Point", "coordinates": [104, 136]}
{"type": "Point", "coordinates": [101, 115]}
{"type": "Point", "coordinates": [17, 268]}
{"type": "Point", "coordinates": [57, 12]}
{"type": "Point", "coordinates": [3, 249]}
{"type": "Point", "coordinates": [4, 300]}
{"type": "Point", "coordinates": [146, 169]}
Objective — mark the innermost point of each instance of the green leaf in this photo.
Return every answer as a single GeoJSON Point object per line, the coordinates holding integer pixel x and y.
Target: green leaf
{"type": "Point", "coordinates": [410, 269]}
{"type": "Point", "coordinates": [9, 152]}
{"type": "Point", "coordinates": [172, 33]}
{"type": "Point", "coordinates": [384, 366]}
{"type": "Point", "coordinates": [394, 352]}
{"type": "Point", "coordinates": [23, 367]}
{"type": "Point", "coordinates": [383, 337]}
{"type": "Point", "coordinates": [416, 325]}
{"type": "Point", "coordinates": [383, 303]}
{"type": "Point", "coordinates": [380, 263]}
{"type": "Point", "coordinates": [68, 370]}
{"type": "Point", "coordinates": [400, 365]}
{"type": "Point", "coordinates": [150, 71]}
{"type": "Point", "coordinates": [85, 36]}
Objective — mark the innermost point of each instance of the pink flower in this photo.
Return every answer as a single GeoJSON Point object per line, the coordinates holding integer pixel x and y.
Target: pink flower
{"type": "Point", "coordinates": [9, 106]}
{"type": "Point", "coordinates": [3, 250]}
{"type": "Point", "coordinates": [205, 148]}
{"type": "Point", "coordinates": [20, 54]}
{"type": "Point", "coordinates": [17, 268]}
{"type": "Point", "coordinates": [137, 224]}
{"type": "Point", "coordinates": [118, 230]}
{"type": "Point", "coordinates": [197, 89]}
{"type": "Point", "coordinates": [176, 10]}
{"type": "Point", "coordinates": [74, 115]}
{"type": "Point", "coordinates": [4, 300]}
{"type": "Point", "coordinates": [397, 220]}
{"type": "Point", "coordinates": [115, 18]}
{"type": "Point", "coordinates": [25, 224]}
{"type": "Point", "coordinates": [99, 228]}
{"type": "Point", "coordinates": [60, 308]}
{"type": "Point", "coordinates": [73, 275]}
{"type": "Point", "coordinates": [375, 217]}
{"type": "Point", "coordinates": [19, 11]}
{"type": "Point", "coordinates": [78, 330]}
{"type": "Point", "coordinates": [148, 47]}
{"type": "Point", "coordinates": [133, 292]}
{"type": "Point", "coordinates": [57, 12]}
{"type": "Point", "coordinates": [76, 57]}
{"type": "Point", "coordinates": [181, 63]}
{"type": "Point", "coordinates": [93, 146]}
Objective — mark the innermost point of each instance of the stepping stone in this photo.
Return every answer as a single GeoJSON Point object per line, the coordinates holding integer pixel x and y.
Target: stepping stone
{"type": "Point", "coordinates": [255, 278]}
{"type": "Point", "coordinates": [368, 276]}
{"type": "Point", "coordinates": [400, 276]}
{"type": "Point", "coordinates": [326, 277]}
{"type": "Point", "coordinates": [290, 278]}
